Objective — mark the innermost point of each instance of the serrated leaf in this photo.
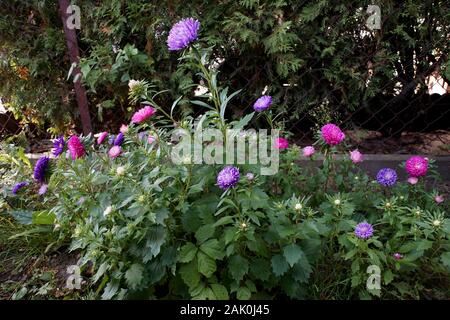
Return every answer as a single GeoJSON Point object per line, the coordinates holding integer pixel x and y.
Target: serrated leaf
{"type": "Point", "coordinates": [204, 233]}
{"type": "Point", "coordinates": [238, 267]}
{"type": "Point", "coordinates": [134, 275]}
{"type": "Point", "coordinates": [190, 275]}
{"type": "Point", "coordinates": [292, 253]}
{"type": "Point", "coordinates": [187, 253]}
{"type": "Point", "coordinates": [279, 265]}
{"type": "Point", "coordinates": [206, 265]}
{"type": "Point", "coordinates": [212, 249]}
{"type": "Point", "coordinates": [243, 293]}
{"type": "Point", "coordinates": [220, 291]}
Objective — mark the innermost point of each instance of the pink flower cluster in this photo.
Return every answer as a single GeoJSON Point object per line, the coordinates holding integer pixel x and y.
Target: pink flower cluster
{"type": "Point", "coordinates": [417, 166]}
{"type": "Point", "coordinates": [332, 134]}
{"type": "Point", "coordinates": [281, 143]}
{"type": "Point", "coordinates": [143, 114]}
{"type": "Point", "coordinates": [75, 147]}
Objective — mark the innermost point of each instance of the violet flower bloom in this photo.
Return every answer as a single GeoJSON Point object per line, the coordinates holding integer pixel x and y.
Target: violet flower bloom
{"type": "Point", "coordinates": [364, 230]}
{"type": "Point", "coordinates": [228, 177]}
{"type": "Point", "coordinates": [263, 103]}
{"type": "Point", "coordinates": [58, 146]}
{"type": "Point", "coordinates": [387, 177]}
{"type": "Point", "coordinates": [41, 168]}
{"type": "Point", "coordinates": [182, 34]}
{"type": "Point", "coordinates": [18, 186]}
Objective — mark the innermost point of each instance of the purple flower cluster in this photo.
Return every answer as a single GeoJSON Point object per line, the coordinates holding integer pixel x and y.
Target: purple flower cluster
{"type": "Point", "coordinates": [119, 139]}
{"type": "Point", "coordinates": [19, 186]}
{"type": "Point", "coordinates": [58, 146]}
{"type": "Point", "coordinates": [364, 230]}
{"type": "Point", "coordinates": [228, 177]}
{"type": "Point", "coordinates": [262, 103]}
{"type": "Point", "coordinates": [41, 168]}
{"type": "Point", "coordinates": [183, 33]}
{"type": "Point", "coordinates": [387, 177]}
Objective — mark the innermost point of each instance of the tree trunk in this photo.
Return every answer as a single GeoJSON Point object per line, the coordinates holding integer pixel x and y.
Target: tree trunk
{"type": "Point", "coordinates": [80, 92]}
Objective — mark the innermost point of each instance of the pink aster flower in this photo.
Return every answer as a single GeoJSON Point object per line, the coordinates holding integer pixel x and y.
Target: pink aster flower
{"type": "Point", "coordinates": [356, 156]}
{"type": "Point", "coordinates": [413, 180]}
{"type": "Point", "coordinates": [75, 147]}
{"type": "Point", "coordinates": [308, 151]}
{"type": "Point", "coordinates": [439, 199]}
{"type": "Point", "coordinates": [332, 134]}
{"type": "Point", "coordinates": [416, 166]}
{"type": "Point", "coordinates": [143, 114]}
{"type": "Point", "coordinates": [123, 128]}
{"type": "Point", "coordinates": [151, 139]}
{"type": "Point", "coordinates": [114, 152]}
{"type": "Point", "coordinates": [101, 137]}
{"type": "Point", "coordinates": [281, 143]}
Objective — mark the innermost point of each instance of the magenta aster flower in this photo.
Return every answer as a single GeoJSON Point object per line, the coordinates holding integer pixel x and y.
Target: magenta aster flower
{"type": "Point", "coordinates": [364, 230]}
{"type": "Point", "coordinates": [397, 256]}
{"type": "Point", "coordinates": [356, 156]}
{"type": "Point", "coordinates": [308, 151]}
{"type": "Point", "coordinates": [182, 34]}
{"type": "Point", "coordinates": [18, 186]}
{"type": "Point", "coordinates": [143, 114]}
{"type": "Point", "coordinates": [75, 147]}
{"type": "Point", "coordinates": [228, 177]}
{"type": "Point", "coordinates": [41, 168]}
{"type": "Point", "coordinates": [281, 143]}
{"type": "Point", "coordinates": [263, 103]}
{"type": "Point", "coordinates": [387, 177]}
{"type": "Point", "coordinates": [416, 166]}
{"type": "Point", "coordinates": [114, 152]}
{"type": "Point", "coordinates": [439, 199]}
{"type": "Point", "coordinates": [101, 137]}
{"type": "Point", "coordinates": [332, 134]}
{"type": "Point", "coordinates": [58, 146]}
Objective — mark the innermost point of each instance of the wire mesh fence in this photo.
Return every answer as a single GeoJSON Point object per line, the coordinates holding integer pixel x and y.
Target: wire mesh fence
{"type": "Point", "coordinates": [416, 118]}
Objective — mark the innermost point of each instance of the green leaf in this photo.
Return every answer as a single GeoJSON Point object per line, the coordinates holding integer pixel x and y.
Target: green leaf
{"type": "Point", "coordinates": [204, 233]}
{"type": "Point", "coordinates": [212, 249]}
{"type": "Point", "coordinates": [244, 121]}
{"type": "Point", "coordinates": [134, 275]}
{"type": "Point", "coordinates": [279, 265]}
{"type": "Point", "coordinates": [388, 277]}
{"type": "Point", "coordinates": [238, 267]}
{"type": "Point", "coordinates": [190, 275]}
{"type": "Point", "coordinates": [220, 291]}
{"type": "Point", "coordinates": [243, 293]}
{"type": "Point", "coordinates": [206, 265]}
{"type": "Point", "coordinates": [292, 253]}
{"type": "Point", "coordinates": [22, 216]}
{"type": "Point", "coordinates": [445, 259]}
{"type": "Point", "coordinates": [187, 253]}
{"type": "Point", "coordinates": [43, 217]}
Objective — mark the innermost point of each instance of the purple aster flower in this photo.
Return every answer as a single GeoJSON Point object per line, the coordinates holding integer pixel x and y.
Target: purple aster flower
{"type": "Point", "coordinates": [111, 139]}
{"type": "Point", "coordinates": [40, 168]}
{"type": "Point", "coordinates": [19, 186]}
{"type": "Point", "coordinates": [250, 176]}
{"type": "Point", "coordinates": [182, 34]}
{"type": "Point", "coordinates": [397, 256]}
{"type": "Point", "coordinates": [262, 103]}
{"type": "Point", "coordinates": [387, 177]}
{"type": "Point", "coordinates": [228, 177]}
{"type": "Point", "coordinates": [43, 189]}
{"type": "Point", "coordinates": [119, 139]}
{"type": "Point", "coordinates": [364, 230]}
{"type": "Point", "coordinates": [58, 146]}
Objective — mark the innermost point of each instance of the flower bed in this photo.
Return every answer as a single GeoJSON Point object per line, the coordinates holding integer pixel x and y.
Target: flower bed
{"type": "Point", "coordinates": [153, 228]}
